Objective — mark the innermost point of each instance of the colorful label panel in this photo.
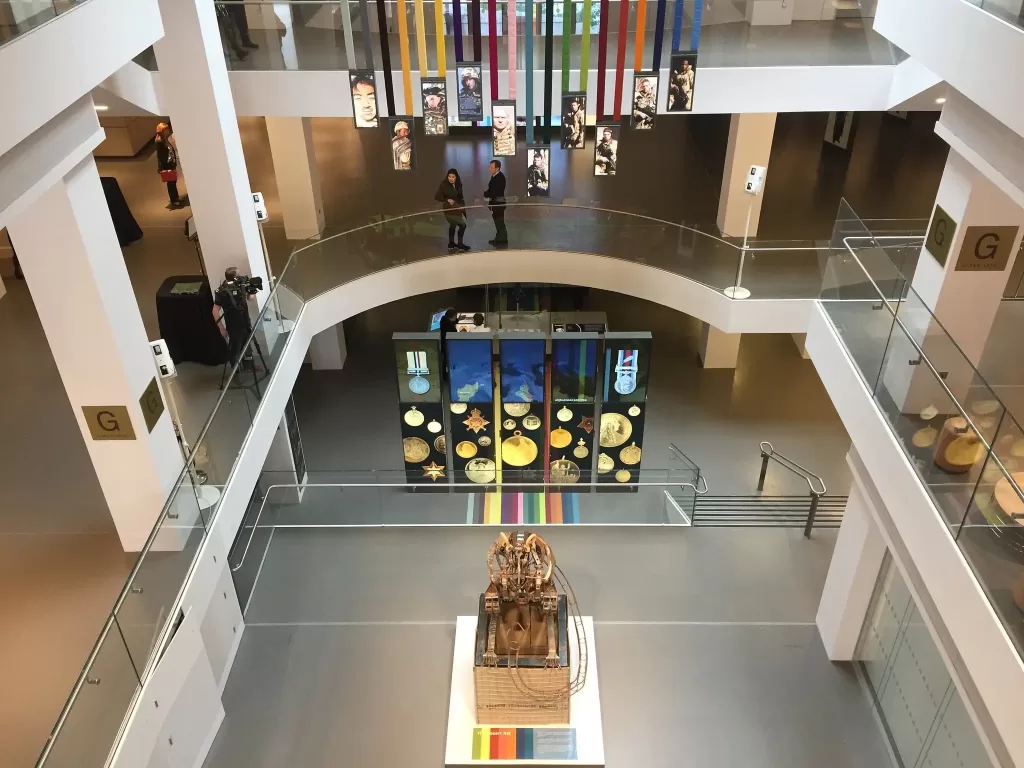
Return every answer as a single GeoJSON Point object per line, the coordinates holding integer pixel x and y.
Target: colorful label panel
{"type": "Point", "coordinates": [524, 744]}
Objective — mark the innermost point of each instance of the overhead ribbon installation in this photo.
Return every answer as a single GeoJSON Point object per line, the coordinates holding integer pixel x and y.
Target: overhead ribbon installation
{"type": "Point", "coordinates": [620, 59]}
{"type": "Point", "coordinates": [641, 22]}
{"type": "Point", "coordinates": [385, 55]}
{"type": "Point", "coordinates": [513, 65]}
{"type": "Point", "coordinates": [659, 33]}
{"type": "Point", "coordinates": [440, 33]}
{"type": "Point", "coordinates": [364, 23]}
{"type": "Point", "coordinates": [528, 70]}
{"type": "Point", "coordinates": [549, 49]}
{"type": "Point", "coordinates": [602, 56]}
{"type": "Point", "coordinates": [403, 52]}
{"type": "Point", "coordinates": [492, 47]}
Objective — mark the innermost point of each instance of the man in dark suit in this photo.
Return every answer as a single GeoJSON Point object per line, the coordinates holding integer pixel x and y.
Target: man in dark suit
{"type": "Point", "coordinates": [495, 195]}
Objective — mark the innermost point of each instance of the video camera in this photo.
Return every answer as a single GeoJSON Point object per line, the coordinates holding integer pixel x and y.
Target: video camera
{"type": "Point", "coordinates": [238, 288]}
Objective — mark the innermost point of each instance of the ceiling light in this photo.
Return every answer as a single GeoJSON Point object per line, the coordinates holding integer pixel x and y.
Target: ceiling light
{"type": "Point", "coordinates": [100, 107]}
{"type": "Point", "coordinates": [940, 100]}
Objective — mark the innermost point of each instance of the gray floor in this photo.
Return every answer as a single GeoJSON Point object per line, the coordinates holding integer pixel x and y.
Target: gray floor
{"type": "Point", "coordinates": [705, 640]}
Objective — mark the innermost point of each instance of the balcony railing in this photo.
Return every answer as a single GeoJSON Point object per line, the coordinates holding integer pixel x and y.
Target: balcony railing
{"type": "Point", "coordinates": [19, 17]}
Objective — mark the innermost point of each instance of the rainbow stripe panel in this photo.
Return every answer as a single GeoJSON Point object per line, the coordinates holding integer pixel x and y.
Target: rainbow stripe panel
{"type": "Point", "coordinates": [496, 508]}
{"type": "Point", "coordinates": [524, 743]}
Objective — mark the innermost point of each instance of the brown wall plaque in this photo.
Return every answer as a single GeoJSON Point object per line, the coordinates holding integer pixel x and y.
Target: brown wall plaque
{"type": "Point", "coordinates": [940, 235]}
{"type": "Point", "coordinates": [152, 404]}
{"type": "Point", "coordinates": [108, 422]}
{"type": "Point", "coordinates": [985, 249]}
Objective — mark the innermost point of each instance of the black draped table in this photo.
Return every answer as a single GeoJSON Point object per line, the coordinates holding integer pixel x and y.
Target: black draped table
{"type": "Point", "coordinates": [184, 310]}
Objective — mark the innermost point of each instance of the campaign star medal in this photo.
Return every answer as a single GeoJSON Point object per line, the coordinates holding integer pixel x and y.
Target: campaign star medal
{"type": "Point", "coordinates": [587, 424]}
{"type": "Point", "coordinates": [475, 422]}
{"type": "Point", "coordinates": [433, 470]}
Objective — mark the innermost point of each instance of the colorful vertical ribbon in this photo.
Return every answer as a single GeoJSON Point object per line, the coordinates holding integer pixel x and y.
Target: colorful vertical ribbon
{"type": "Point", "coordinates": [350, 45]}
{"type": "Point", "coordinates": [698, 13]}
{"type": "Point", "coordinates": [474, 12]}
{"type": "Point", "coordinates": [641, 22]}
{"type": "Point", "coordinates": [566, 35]}
{"type": "Point", "coordinates": [457, 21]}
{"type": "Point", "coordinates": [403, 54]}
{"type": "Point", "coordinates": [620, 59]}
{"type": "Point", "coordinates": [602, 56]}
{"type": "Point", "coordinates": [421, 40]}
{"type": "Point", "coordinates": [677, 25]}
{"type": "Point", "coordinates": [440, 35]}
{"type": "Point", "coordinates": [385, 55]}
{"type": "Point", "coordinates": [492, 46]}
{"type": "Point", "coordinates": [585, 47]}
{"type": "Point", "coordinates": [659, 33]}
{"type": "Point", "coordinates": [549, 50]}
{"type": "Point", "coordinates": [364, 23]}
{"type": "Point", "coordinates": [513, 64]}
{"type": "Point", "coordinates": [528, 69]}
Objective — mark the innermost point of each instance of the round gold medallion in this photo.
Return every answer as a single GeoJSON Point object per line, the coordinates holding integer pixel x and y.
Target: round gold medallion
{"type": "Point", "coordinates": [518, 450]}
{"type": "Point", "coordinates": [964, 451]}
{"type": "Point", "coordinates": [615, 430]}
{"type": "Point", "coordinates": [459, 408]}
{"type": "Point", "coordinates": [622, 476]}
{"type": "Point", "coordinates": [466, 449]}
{"type": "Point", "coordinates": [434, 426]}
{"type": "Point", "coordinates": [985, 407]}
{"type": "Point", "coordinates": [564, 414]}
{"type": "Point", "coordinates": [581, 451]}
{"type": "Point", "coordinates": [480, 470]}
{"type": "Point", "coordinates": [634, 410]}
{"type": "Point", "coordinates": [484, 441]}
{"type": "Point", "coordinates": [532, 422]}
{"type": "Point", "coordinates": [1017, 449]}
{"type": "Point", "coordinates": [415, 450]}
{"type": "Point", "coordinates": [929, 412]}
{"type": "Point", "coordinates": [924, 437]}
{"type": "Point", "coordinates": [516, 409]}
{"type": "Point", "coordinates": [560, 438]}
{"type": "Point", "coordinates": [630, 455]}
{"type": "Point", "coordinates": [413, 417]}
{"type": "Point", "coordinates": [440, 444]}
{"type": "Point", "coordinates": [564, 471]}
{"type": "Point", "coordinates": [605, 463]}
{"type": "Point", "coordinates": [509, 424]}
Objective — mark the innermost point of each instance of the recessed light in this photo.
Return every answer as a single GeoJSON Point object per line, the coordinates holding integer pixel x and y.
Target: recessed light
{"type": "Point", "coordinates": [940, 100]}
{"type": "Point", "coordinates": [100, 107]}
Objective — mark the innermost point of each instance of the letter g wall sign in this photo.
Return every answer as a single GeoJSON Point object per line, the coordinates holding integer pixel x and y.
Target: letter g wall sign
{"type": "Point", "coordinates": [986, 249]}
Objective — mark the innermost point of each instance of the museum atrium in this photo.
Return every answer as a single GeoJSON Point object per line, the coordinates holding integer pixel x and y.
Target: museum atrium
{"type": "Point", "coordinates": [557, 382]}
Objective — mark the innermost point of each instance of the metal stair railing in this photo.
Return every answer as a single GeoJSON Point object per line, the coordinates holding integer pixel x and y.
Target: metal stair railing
{"type": "Point", "coordinates": [768, 453]}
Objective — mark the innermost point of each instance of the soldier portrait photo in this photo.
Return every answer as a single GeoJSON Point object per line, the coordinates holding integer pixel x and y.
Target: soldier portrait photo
{"type": "Point", "coordinates": [435, 106]}
{"type": "Point", "coordinates": [401, 143]}
{"type": "Point", "coordinates": [682, 77]}
{"type": "Point", "coordinates": [471, 93]}
{"type": "Point", "coordinates": [574, 120]}
{"type": "Point", "coordinates": [364, 98]}
{"type": "Point", "coordinates": [503, 128]}
{"type": "Point", "coordinates": [645, 100]}
{"type": "Point", "coordinates": [537, 181]}
{"type": "Point", "coordinates": [606, 150]}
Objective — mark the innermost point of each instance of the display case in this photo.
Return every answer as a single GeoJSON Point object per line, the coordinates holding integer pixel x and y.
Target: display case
{"type": "Point", "coordinates": [471, 409]}
{"type": "Point", "coordinates": [418, 369]}
{"type": "Point", "coordinates": [573, 391]}
{"type": "Point", "coordinates": [522, 436]}
{"type": "Point", "coordinates": [625, 373]}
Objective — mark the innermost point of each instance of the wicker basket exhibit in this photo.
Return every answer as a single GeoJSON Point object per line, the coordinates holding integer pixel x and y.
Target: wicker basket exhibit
{"type": "Point", "coordinates": [515, 696]}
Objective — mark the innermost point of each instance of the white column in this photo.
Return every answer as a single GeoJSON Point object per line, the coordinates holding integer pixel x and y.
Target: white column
{"type": "Point", "coordinates": [800, 339]}
{"type": "Point", "coordinates": [281, 461]}
{"type": "Point", "coordinates": [197, 96]}
{"type": "Point", "coordinates": [327, 350]}
{"type": "Point", "coordinates": [92, 322]}
{"type": "Point", "coordinates": [718, 349]}
{"type": "Point", "coordinates": [298, 181]}
{"type": "Point", "coordinates": [856, 561]}
{"type": "Point", "coordinates": [750, 143]}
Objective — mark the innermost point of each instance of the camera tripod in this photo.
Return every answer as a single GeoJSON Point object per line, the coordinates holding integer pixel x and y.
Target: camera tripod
{"type": "Point", "coordinates": [245, 357]}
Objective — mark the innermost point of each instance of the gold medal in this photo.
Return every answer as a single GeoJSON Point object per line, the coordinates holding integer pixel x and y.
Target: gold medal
{"type": "Point", "coordinates": [433, 470]}
{"type": "Point", "coordinates": [484, 441]}
{"type": "Point", "coordinates": [413, 417]}
{"type": "Point", "coordinates": [475, 422]}
{"type": "Point", "coordinates": [581, 451]}
{"type": "Point", "coordinates": [564, 414]}
{"type": "Point", "coordinates": [924, 437]}
{"type": "Point", "coordinates": [532, 422]}
{"type": "Point", "coordinates": [459, 408]}
{"type": "Point", "coordinates": [466, 449]}
{"type": "Point", "coordinates": [622, 476]}
{"type": "Point", "coordinates": [630, 455]}
{"type": "Point", "coordinates": [517, 409]}
{"type": "Point", "coordinates": [434, 426]}
{"type": "Point", "coordinates": [440, 445]}
{"type": "Point", "coordinates": [634, 410]}
{"type": "Point", "coordinates": [518, 450]}
{"type": "Point", "coordinates": [560, 438]}
{"type": "Point", "coordinates": [480, 470]}
{"type": "Point", "coordinates": [564, 471]}
{"type": "Point", "coordinates": [509, 424]}
{"type": "Point", "coordinates": [415, 450]}
{"type": "Point", "coordinates": [615, 430]}
{"type": "Point", "coordinates": [605, 463]}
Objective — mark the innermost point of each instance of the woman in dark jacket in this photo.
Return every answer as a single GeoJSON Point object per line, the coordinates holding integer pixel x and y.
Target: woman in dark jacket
{"type": "Point", "coordinates": [453, 203]}
{"type": "Point", "coordinates": [167, 162]}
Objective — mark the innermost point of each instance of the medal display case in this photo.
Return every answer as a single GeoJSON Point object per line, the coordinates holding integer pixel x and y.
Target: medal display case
{"type": "Point", "coordinates": [627, 360]}
{"type": "Point", "coordinates": [522, 437]}
{"type": "Point", "coordinates": [572, 408]}
{"type": "Point", "coordinates": [421, 412]}
{"type": "Point", "coordinates": [471, 407]}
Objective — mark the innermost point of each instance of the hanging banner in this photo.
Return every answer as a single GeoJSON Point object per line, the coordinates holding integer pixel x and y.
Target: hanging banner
{"type": "Point", "coordinates": [503, 128]}
{"type": "Point", "coordinates": [620, 60]}
{"type": "Point", "coordinates": [404, 57]}
{"type": "Point", "coordinates": [471, 97]}
{"type": "Point", "coordinates": [574, 119]}
{"type": "Point", "coordinates": [698, 14]}
{"type": "Point", "coordinates": [513, 65]}
{"type": "Point", "coordinates": [627, 360]}
{"type": "Point", "coordinates": [385, 55]}
{"type": "Point", "coordinates": [440, 35]}
{"type": "Point", "coordinates": [434, 97]}
{"type": "Point", "coordinates": [682, 78]}
{"type": "Point", "coordinates": [350, 45]}
{"type": "Point", "coordinates": [403, 150]}
{"type": "Point", "coordinates": [364, 25]}
{"type": "Point", "coordinates": [537, 180]}
{"type": "Point", "coordinates": [606, 149]}
{"type": "Point", "coordinates": [492, 46]}
{"type": "Point", "coordinates": [549, 47]}
{"type": "Point", "coordinates": [641, 23]}
{"type": "Point", "coordinates": [585, 47]}
{"type": "Point", "coordinates": [659, 33]}
{"type": "Point", "coordinates": [421, 414]}
{"type": "Point", "coordinates": [363, 89]}
{"type": "Point", "coordinates": [602, 57]}
{"type": "Point", "coordinates": [567, 32]}
{"type": "Point", "coordinates": [421, 41]}
{"type": "Point", "coordinates": [528, 70]}
{"type": "Point", "coordinates": [457, 20]}
{"type": "Point", "coordinates": [677, 25]}
{"type": "Point", "coordinates": [474, 13]}
{"type": "Point", "coordinates": [645, 100]}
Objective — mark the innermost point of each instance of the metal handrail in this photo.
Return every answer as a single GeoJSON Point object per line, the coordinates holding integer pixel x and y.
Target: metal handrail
{"type": "Point", "coordinates": [768, 453]}
{"type": "Point", "coordinates": [696, 489]}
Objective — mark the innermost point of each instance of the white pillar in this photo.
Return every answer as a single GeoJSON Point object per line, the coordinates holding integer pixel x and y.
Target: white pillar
{"type": "Point", "coordinates": [856, 561]}
{"type": "Point", "coordinates": [298, 181]}
{"type": "Point", "coordinates": [197, 96]}
{"type": "Point", "coordinates": [750, 143]}
{"type": "Point", "coordinates": [327, 350]}
{"type": "Point", "coordinates": [75, 270]}
{"type": "Point", "coordinates": [718, 349]}
{"type": "Point", "coordinates": [800, 339]}
{"type": "Point", "coordinates": [283, 462]}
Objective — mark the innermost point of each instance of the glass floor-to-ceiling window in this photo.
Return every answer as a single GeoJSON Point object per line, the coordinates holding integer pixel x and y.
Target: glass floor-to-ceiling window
{"type": "Point", "coordinates": [920, 705]}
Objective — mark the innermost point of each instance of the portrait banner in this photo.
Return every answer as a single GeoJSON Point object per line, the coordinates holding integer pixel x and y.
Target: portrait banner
{"type": "Point", "coordinates": [503, 128]}
{"type": "Point", "coordinates": [363, 87]}
{"type": "Point", "coordinates": [682, 78]}
{"type": "Point", "coordinates": [471, 98]}
{"type": "Point", "coordinates": [606, 149]}
{"type": "Point", "coordinates": [434, 99]}
{"type": "Point", "coordinates": [574, 120]}
{"type": "Point", "coordinates": [644, 105]}
{"type": "Point", "coordinates": [538, 182]}
{"type": "Point", "coordinates": [403, 155]}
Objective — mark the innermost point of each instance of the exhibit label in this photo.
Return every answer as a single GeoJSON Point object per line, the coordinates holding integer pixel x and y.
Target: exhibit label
{"type": "Point", "coordinates": [152, 404]}
{"type": "Point", "coordinates": [524, 743]}
{"type": "Point", "coordinates": [986, 249]}
{"type": "Point", "coordinates": [940, 235]}
{"type": "Point", "coordinates": [108, 422]}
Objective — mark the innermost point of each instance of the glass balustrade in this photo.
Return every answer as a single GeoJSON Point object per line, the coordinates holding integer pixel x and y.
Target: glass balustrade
{"type": "Point", "coordinates": [315, 35]}
{"type": "Point", "coordinates": [17, 17]}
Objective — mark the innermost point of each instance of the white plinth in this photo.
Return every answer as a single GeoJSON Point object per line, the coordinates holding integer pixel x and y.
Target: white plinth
{"type": "Point", "coordinates": [584, 707]}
